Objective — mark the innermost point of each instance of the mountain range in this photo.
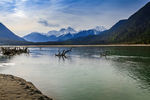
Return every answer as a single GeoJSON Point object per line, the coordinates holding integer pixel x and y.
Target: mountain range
{"type": "Point", "coordinates": [135, 29]}
{"type": "Point", "coordinates": [7, 36]}
{"type": "Point", "coordinates": [62, 35]}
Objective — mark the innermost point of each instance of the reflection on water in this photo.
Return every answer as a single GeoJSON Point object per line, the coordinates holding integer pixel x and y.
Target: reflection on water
{"type": "Point", "coordinates": [123, 75]}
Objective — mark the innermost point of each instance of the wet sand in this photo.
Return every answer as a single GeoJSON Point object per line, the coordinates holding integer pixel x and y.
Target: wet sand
{"type": "Point", "coordinates": [15, 88]}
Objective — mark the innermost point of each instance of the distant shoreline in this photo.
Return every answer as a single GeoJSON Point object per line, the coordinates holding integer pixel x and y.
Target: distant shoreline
{"type": "Point", "coordinates": [100, 45]}
{"type": "Point", "coordinates": [109, 45]}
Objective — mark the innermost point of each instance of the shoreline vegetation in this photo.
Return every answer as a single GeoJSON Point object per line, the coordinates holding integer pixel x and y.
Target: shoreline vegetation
{"type": "Point", "coordinates": [11, 51]}
{"type": "Point", "coordinates": [15, 88]}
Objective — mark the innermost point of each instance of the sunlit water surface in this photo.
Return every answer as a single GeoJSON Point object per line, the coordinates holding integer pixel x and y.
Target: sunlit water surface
{"type": "Point", "coordinates": [123, 75]}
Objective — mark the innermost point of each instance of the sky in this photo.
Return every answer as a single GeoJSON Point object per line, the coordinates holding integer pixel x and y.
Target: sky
{"type": "Point", "coordinates": [26, 16]}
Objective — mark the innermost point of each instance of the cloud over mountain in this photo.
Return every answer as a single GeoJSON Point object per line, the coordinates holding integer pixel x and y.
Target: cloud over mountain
{"type": "Point", "coordinates": [47, 24]}
{"type": "Point", "coordinates": [22, 16]}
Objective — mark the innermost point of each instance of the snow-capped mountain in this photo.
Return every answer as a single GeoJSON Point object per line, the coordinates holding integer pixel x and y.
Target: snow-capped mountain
{"type": "Point", "coordinates": [100, 28]}
{"type": "Point", "coordinates": [53, 32]}
{"type": "Point", "coordinates": [68, 30]}
{"type": "Point", "coordinates": [63, 34]}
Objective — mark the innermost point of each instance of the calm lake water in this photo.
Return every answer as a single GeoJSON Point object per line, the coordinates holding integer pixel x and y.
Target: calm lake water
{"type": "Point", "coordinates": [123, 75]}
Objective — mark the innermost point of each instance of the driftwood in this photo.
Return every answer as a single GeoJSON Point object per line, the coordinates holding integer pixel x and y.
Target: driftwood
{"type": "Point", "coordinates": [63, 53]}
{"type": "Point", "coordinates": [104, 53]}
{"type": "Point", "coordinates": [10, 51]}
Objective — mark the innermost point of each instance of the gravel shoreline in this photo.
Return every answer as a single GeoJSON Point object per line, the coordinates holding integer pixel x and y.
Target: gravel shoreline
{"type": "Point", "coordinates": [15, 88]}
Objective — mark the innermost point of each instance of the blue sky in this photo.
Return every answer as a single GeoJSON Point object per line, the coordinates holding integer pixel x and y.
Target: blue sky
{"type": "Point", "coordinates": [25, 16]}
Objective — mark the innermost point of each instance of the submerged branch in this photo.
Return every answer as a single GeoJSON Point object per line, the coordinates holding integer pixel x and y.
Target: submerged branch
{"type": "Point", "coordinates": [63, 53]}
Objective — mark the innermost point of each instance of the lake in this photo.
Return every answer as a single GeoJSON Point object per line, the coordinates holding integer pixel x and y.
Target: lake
{"type": "Point", "coordinates": [124, 74]}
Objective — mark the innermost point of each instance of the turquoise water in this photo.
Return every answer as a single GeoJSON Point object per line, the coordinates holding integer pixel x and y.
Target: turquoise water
{"type": "Point", "coordinates": [123, 75]}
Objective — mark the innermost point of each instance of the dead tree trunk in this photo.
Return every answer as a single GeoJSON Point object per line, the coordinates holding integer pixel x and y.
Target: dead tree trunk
{"type": "Point", "coordinates": [63, 53]}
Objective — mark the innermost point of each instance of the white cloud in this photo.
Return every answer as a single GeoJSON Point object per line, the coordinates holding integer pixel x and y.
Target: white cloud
{"type": "Point", "coordinates": [22, 16]}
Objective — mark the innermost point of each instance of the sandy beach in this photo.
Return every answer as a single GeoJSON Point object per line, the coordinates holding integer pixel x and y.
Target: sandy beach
{"type": "Point", "coordinates": [15, 88]}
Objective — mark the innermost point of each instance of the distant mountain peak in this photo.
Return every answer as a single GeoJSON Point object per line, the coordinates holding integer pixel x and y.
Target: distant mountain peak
{"type": "Point", "coordinates": [7, 34]}
{"type": "Point", "coordinates": [2, 25]}
{"type": "Point", "coordinates": [62, 29]}
{"type": "Point", "coordinates": [100, 28]}
{"type": "Point", "coordinates": [70, 28]}
{"type": "Point", "coordinates": [67, 30]}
